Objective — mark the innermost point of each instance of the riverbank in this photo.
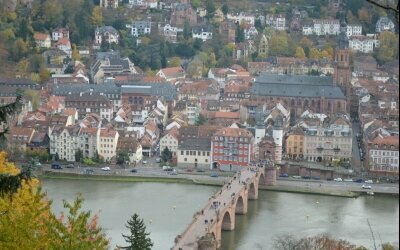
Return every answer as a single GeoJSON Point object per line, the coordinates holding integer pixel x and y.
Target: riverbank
{"type": "Point", "coordinates": [187, 179]}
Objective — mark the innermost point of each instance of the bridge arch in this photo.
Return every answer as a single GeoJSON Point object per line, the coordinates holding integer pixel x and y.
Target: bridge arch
{"type": "Point", "coordinates": [241, 205]}
{"type": "Point", "coordinates": [253, 191]}
{"type": "Point", "coordinates": [228, 221]}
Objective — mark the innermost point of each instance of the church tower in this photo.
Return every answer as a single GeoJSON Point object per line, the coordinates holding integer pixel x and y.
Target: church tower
{"type": "Point", "coordinates": [342, 74]}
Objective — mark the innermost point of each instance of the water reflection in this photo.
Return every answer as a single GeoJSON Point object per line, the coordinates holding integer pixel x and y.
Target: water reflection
{"type": "Point", "coordinates": [170, 207]}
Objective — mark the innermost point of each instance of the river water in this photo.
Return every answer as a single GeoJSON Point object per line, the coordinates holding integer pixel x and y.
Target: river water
{"type": "Point", "coordinates": [168, 208]}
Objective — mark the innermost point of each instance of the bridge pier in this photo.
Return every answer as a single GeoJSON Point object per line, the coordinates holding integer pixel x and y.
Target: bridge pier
{"type": "Point", "coordinates": [270, 173]}
{"type": "Point", "coordinates": [241, 204]}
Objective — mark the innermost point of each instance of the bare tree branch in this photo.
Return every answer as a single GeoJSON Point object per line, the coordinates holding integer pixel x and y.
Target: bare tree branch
{"type": "Point", "coordinates": [387, 7]}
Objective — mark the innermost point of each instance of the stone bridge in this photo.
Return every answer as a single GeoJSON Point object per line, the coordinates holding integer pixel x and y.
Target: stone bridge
{"type": "Point", "coordinates": [204, 232]}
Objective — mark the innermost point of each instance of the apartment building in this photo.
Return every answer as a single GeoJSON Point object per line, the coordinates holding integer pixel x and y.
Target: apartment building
{"type": "Point", "coordinates": [107, 144]}
{"type": "Point", "coordinates": [328, 143]}
{"type": "Point", "coordinates": [231, 148]}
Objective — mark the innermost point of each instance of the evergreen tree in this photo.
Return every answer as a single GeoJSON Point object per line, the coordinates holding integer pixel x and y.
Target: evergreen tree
{"type": "Point", "coordinates": [138, 238]}
{"type": "Point", "coordinates": [166, 155]}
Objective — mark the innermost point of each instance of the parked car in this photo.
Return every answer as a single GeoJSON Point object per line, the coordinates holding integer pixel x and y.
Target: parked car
{"type": "Point", "coordinates": [133, 171]}
{"type": "Point", "coordinates": [166, 168]}
{"type": "Point", "coordinates": [369, 181]}
{"type": "Point", "coordinates": [173, 172]}
{"type": "Point", "coordinates": [70, 166]}
{"type": "Point", "coordinates": [144, 162]}
{"type": "Point", "coordinates": [338, 179]}
{"type": "Point", "coordinates": [296, 176]}
{"type": "Point", "coordinates": [106, 169]}
{"type": "Point", "coordinates": [158, 160]}
{"type": "Point", "coordinates": [359, 180]}
{"type": "Point", "coordinates": [329, 179]}
{"type": "Point", "coordinates": [189, 170]}
{"type": "Point", "coordinates": [56, 166]}
{"type": "Point", "coordinates": [215, 175]}
{"type": "Point", "coordinates": [200, 170]}
{"type": "Point", "coordinates": [284, 175]}
{"type": "Point", "coordinates": [348, 180]}
{"type": "Point", "coordinates": [366, 187]}
{"type": "Point", "coordinates": [306, 177]}
{"type": "Point", "coordinates": [315, 177]}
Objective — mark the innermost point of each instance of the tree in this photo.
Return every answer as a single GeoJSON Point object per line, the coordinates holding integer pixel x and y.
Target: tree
{"type": "Point", "coordinates": [389, 46]}
{"type": "Point", "coordinates": [305, 43]}
{"type": "Point", "coordinates": [138, 238]}
{"type": "Point", "coordinates": [166, 155]}
{"type": "Point", "coordinates": [200, 120]}
{"type": "Point", "coordinates": [75, 53]}
{"type": "Point", "coordinates": [79, 231]}
{"type": "Point", "coordinates": [210, 7]}
{"type": "Point", "coordinates": [240, 37]}
{"type": "Point", "coordinates": [174, 62]}
{"type": "Point", "coordinates": [79, 155]}
{"type": "Point", "coordinates": [314, 53]}
{"type": "Point", "coordinates": [122, 157]}
{"type": "Point", "coordinates": [278, 44]}
{"type": "Point", "coordinates": [323, 241]}
{"type": "Point", "coordinates": [25, 213]}
{"type": "Point", "coordinates": [97, 16]}
{"type": "Point", "coordinates": [225, 8]}
{"type": "Point", "coordinates": [300, 53]}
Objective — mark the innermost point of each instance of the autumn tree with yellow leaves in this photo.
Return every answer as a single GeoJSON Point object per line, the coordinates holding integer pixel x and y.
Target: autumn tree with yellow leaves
{"type": "Point", "coordinates": [25, 213]}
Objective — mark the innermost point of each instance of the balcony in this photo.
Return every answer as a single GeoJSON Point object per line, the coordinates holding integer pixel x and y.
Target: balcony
{"type": "Point", "coordinates": [336, 150]}
{"type": "Point", "coordinates": [320, 148]}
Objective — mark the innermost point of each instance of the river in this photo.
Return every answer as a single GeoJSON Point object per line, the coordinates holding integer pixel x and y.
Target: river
{"type": "Point", "coordinates": [168, 208]}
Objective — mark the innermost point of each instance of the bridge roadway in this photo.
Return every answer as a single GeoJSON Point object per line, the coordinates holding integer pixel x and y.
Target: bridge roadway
{"type": "Point", "coordinates": [219, 212]}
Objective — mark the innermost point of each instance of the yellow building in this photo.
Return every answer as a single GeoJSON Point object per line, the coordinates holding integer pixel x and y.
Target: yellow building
{"type": "Point", "coordinates": [295, 144]}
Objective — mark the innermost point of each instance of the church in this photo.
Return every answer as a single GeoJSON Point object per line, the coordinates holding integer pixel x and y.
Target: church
{"type": "Point", "coordinates": [320, 94]}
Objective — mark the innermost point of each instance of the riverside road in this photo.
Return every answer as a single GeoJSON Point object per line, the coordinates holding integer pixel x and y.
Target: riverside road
{"type": "Point", "coordinates": [204, 177]}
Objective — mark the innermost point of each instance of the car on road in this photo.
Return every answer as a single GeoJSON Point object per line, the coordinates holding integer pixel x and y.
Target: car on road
{"type": "Point", "coordinates": [106, 169]}
{"type": "Point", "coordinates": [70, 166]}
{"type": "Point", "coordinates": [359, 181]}
{"type": "Point", "coordinates": [366, 187]}
{"type": "Point", "coordinates": [144, 162]}
{"type": "Point", "coordinates": [338, 179]}
{"type": "Point", "coordinates": [56, 166]}
{"type": "Point", "coordinates": [329, 179]}
{"type": "Point", "coordinates": [369, 181]}
{"type": "Point", "coordinates": [215, 175]}
{"type": "Point", "coordinates": [133, 171]}
{"type": "Point", "coordinates": [296, 176]}
{"type": "Point", "coordinates": [284, 175]}
{"type": "Point", "coordinates": [158, 160]}
{"type": "Point", "coordinates": [166, 168]}
{"type": "Point", "coordinates": [316, 178]}
{"type": "Point", "coordinates": [348, 180]}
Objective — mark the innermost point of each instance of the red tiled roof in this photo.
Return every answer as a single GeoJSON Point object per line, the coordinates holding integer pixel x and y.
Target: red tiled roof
{"type": "Point", "coordinates": [41, 36]}
{"type": "Point", "coordinates": [227, 115]}
{"type": "Point", "coordinates": [234, 132]}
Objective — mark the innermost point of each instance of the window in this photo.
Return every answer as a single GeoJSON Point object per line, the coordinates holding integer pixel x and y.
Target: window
{"type": "Point", "coordinates": [182, 152]}
{"type": "Point", "coordinates": [185, 159]}
{"type": "Point", "coordinates": [208, 153]}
